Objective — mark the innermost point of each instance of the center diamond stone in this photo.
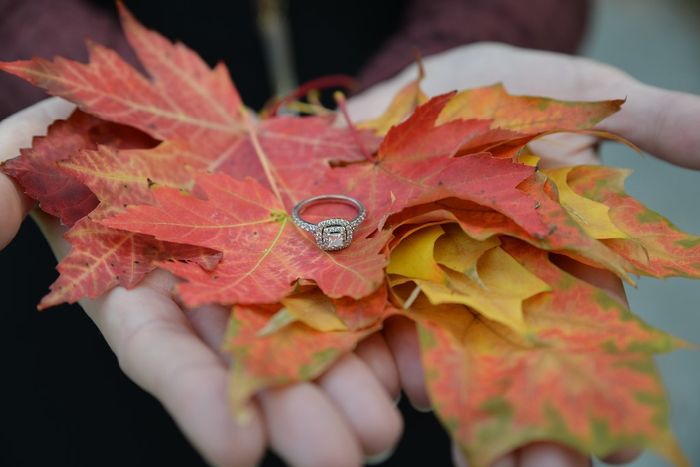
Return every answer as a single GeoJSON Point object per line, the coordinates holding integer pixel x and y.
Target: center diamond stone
{"type": "Point", "coordinates": [334, 237]}
{"type": "Point", "coordinates": [334, 234]}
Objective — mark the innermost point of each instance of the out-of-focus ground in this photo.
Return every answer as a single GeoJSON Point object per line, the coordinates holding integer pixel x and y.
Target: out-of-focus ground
{"type": "Point", "coordinates": [658, 42]}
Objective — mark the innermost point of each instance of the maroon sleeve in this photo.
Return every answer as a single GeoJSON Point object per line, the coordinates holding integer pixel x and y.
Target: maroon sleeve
{"type": "Point", "coordinates": [432, 26]}
{"type": "Point", "coordinates": [45, 28]}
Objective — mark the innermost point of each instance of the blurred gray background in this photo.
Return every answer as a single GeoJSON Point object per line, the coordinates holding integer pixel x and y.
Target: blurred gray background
{"type": "Point", "coordinates": [658, 42]}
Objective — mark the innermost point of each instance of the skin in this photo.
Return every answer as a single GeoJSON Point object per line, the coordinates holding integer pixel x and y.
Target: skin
{"type": "Point", "coordinates": [173, 353]}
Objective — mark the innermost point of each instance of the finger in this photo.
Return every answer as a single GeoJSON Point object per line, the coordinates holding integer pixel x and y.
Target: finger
{"type": "Point", "coordinates": [601, 278]}
{"type": "Point", "coordinates": [14, 206]}
{"type": "Point", "coordinates": [306, 429]}
{"type": "Point", "coordinates": [364, 403]}
{"type": "Point", "coordinates": [509, 460]}
{"type": "Point", "coordinates": [350, 384]}
{"type": "Point", "coordinates": [16, 132]}
{"type": "Point", "coordinates": [402, 338]}
{"type": "Point", "coordinates": [661, 122]}
{"type": "Point", "coordinates": [622, 457]}
{"type": "Point", "coordinates": [210, 322]}
{"type": "Point", "coordinates": [158, 349]}
{"type": "Point", "coordinates": [375, 352]}
{"type": "Point", "coordinates": [546, 454]}
{"type": "Point", "coordinates": [566, 149]}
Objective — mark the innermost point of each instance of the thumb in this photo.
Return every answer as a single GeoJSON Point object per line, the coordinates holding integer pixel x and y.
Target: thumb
{"type": "Point", "coordinates": [14, 205]}
{"type": "Point", "coordinates": [661, 122]}
{"type": "Point", "coordinates": [16, 132]}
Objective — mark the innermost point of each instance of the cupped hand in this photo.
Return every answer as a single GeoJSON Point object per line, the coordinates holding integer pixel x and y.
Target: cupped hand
{"type": "Point", "coordinates": [345, 416]}
{"type": "Point", "coordinates": [659, 121]}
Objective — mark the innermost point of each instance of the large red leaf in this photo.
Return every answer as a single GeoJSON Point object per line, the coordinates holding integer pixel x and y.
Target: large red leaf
{"type": "Point", "coordinates": [101, 257]}
{"type": "Point", "coordinates": [264, 253]}
{"type": "Point", "coordinates": [199, 113]}
{"type": "Point", "coordinates": [188, 103]}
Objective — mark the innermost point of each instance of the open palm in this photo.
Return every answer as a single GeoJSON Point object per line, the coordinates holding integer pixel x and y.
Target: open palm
{"type": "Point", "coordinates": [340, 419]}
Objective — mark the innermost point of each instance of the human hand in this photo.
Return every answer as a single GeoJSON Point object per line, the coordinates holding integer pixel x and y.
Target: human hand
{"type": "Point", "coordinates": [658, 121]}
{"type": "Point", "coordinates": [344, 416]}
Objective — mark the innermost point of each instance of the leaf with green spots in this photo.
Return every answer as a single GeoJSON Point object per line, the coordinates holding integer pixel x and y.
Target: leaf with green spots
{"type": "Point", "coordinates": [295, 351]}
{"type": "Point", "coordinates": [584, 376]}
{"type": "Point", "coordinates": [653, 245]}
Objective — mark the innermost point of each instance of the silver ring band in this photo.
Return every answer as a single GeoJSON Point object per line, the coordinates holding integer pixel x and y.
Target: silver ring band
{"type": "Point", "coordinates": [335, 233]}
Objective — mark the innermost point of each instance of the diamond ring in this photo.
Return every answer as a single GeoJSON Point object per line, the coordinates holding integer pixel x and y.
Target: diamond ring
{"type": "Point", "coordinates": [335, 233]}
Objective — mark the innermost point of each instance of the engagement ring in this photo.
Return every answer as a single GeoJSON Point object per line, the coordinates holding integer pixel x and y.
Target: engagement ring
{"type": "Point", "coordinates": [335, 233]}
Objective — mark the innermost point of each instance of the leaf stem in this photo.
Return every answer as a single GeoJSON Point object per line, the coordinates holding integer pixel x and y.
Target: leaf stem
{"type": "Point", "coordinates": [412, 298]}
{"type": "Point", "coordinates": [341, 101]}
{"type": "Point", "coordinates": [262, 157]}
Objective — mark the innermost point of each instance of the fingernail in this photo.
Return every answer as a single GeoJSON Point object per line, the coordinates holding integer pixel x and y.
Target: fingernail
{"type": "Point", "coordinates": [397, 399]}
{"type": "Point", "coordinates": [421, 408]}
{"type": "Point", "coordinates": [379, 458]}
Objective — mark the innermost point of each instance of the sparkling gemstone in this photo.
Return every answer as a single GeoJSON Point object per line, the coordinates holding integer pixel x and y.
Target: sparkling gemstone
{"type": "Point", "coordinates": [333, 234]}
{"type": "Point", "coordinates": [334, 237]}
{"type": "Point", "coordinates": [335, 240]}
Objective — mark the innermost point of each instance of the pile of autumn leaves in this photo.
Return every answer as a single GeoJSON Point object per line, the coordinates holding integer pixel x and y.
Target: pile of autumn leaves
{"type": "Point", "coordinates": [171, 171]}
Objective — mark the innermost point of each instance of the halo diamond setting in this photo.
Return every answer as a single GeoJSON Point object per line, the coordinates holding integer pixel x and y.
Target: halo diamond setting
{"type": "Point", "coordinates": [335, 233]}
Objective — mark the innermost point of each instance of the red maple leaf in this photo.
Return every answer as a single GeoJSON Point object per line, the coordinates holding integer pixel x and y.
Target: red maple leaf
{"type": "Point", "coordinates": [264, 253]}
{"type": "Point", "coordinates": [415, 165]}
{"type": "Point", "coordinates": [58, 193]}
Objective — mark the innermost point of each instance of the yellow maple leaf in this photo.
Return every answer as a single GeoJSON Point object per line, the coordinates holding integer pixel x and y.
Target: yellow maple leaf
{"type": "Point", "coordinates": [594, 217]}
